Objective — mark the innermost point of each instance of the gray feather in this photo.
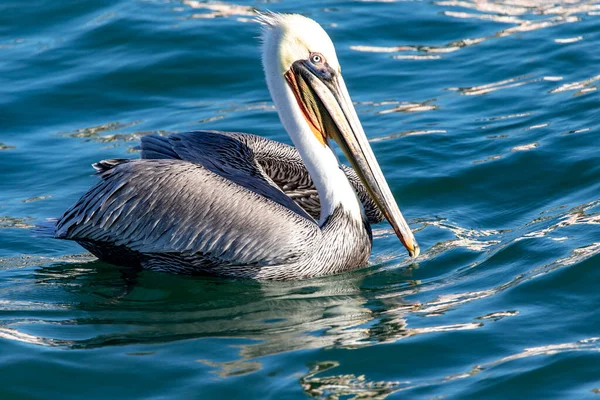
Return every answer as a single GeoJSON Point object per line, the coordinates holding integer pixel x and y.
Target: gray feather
{"type": "Point", "coordinates": [130, 207]}
{"type": "Point", "coordinates": [212, 202]}
{"type": "Point", "coordinates": [228, 153]}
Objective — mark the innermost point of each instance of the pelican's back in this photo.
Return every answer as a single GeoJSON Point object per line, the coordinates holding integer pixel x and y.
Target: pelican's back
{"type": "Point", "coordinates": [227, 153]}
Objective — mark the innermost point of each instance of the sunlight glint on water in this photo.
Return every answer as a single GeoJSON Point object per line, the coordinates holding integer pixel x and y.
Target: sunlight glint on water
{"type": "Point", "coordinates": [484, 118]}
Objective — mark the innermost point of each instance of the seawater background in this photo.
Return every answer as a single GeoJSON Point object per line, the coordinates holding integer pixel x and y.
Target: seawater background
{"type": "Point", "coordinates": [484, 117]}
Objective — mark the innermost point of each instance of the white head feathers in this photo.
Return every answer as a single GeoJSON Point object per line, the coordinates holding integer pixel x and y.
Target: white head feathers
{"type": "Point", "coordinates": [292, 37]}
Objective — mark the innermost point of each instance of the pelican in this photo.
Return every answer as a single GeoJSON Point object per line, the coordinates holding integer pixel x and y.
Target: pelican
{"type": "Point", "coordinates": [238, 205]}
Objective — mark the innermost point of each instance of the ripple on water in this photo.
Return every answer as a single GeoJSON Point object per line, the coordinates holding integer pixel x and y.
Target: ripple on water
{"type": "Point", "coordinates": [482, 115]}
{"type": "Point", "coordinates": [344, 322]}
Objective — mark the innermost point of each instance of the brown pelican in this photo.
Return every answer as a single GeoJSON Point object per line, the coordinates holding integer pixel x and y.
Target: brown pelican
{"type": "Point", "coordinates": [239, 205]}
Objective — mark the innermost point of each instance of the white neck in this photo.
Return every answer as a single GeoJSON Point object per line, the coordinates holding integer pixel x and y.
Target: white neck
{"type": "Point", "coordinates": [321, 162]}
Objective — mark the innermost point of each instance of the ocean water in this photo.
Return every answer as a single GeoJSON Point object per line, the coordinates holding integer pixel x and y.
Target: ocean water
{"type": "Point", "coordinates": [484, 115]}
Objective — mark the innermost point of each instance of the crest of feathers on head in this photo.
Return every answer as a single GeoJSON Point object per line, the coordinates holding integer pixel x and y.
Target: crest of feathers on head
{"type": "Point", "coordinates": [291, 37]}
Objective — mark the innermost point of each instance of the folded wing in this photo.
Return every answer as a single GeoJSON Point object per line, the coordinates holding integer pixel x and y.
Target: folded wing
{"type": "Point", "coordinates": [237, 155]}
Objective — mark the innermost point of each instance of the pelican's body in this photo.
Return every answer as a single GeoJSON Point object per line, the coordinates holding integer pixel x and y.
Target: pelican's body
{"type": "Point", "coordinates": [239, 205]}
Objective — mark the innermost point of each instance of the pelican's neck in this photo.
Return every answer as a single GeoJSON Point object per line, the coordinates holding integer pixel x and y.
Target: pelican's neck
{"type": "Point", "coordinates": [321, 162]}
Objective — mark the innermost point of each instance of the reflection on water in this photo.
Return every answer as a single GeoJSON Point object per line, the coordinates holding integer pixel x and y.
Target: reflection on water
{"type": "Point", "coordinates": [506, 277]}
{"type": "Point", "coordinates": [280, 317]}
{"type": "Point", "coordinates": [582, 87]}
{"type": "Point", "coordinates": [96, 131]}
{"type": "Point", "coordinates": [525, 15]}
{"type": "Point", "coordinates": [569, 40]}
{"type": "Point", "coordinates": [218, 9]}
{"type": "Point", "coordinates": [411, 107]}
{"type": "Point", "coordinates": [15, 222]}
{"type": "Point", "coordinates": [277, 317]}
{"type": "Point", "coordinates": [521, 7]}
{"type": "Point", "coordinates": [575, 216]}
{"type": "Point", "coordinates": [34, 261]}
{"type": "Point", "coordinates": [397, 135]}
{"type": "Point", "coordinates": [525, 147]}
{"type": "Point", "coordinates": [159, 309]}
{"type": "Point", "coordinates": [335, 386]}
{"type": "Point", "coordinates": [471, 239]}
{"type": "Point", "coordinates": [331, 387]}
{"type": "Point", "coordinates": [5, 146]}
{"type": "Point", "coordinates": [101, 133]}
{"type": "Point", "coordinates": [394, 106]}
{"type": "Point", "coordinates": [491, 87]}
{"type": "Point", "coordinates": [118, 132]}
{"type": "Point", "coordinates": [333, 312]}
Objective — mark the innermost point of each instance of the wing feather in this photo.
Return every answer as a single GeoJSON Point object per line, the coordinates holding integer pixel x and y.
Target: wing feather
{"type": "Point", "coordinates": [173, 206]}
{"type": "Point", "coordinates": [237, 156]}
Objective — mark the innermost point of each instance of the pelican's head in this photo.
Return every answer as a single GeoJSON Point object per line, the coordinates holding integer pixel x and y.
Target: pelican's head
{"type": "Point", "coordinates": [299, 58]}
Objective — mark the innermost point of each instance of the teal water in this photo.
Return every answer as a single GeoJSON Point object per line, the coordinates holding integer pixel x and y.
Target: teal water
{"type": "Point", "coordinates": [484, 117]}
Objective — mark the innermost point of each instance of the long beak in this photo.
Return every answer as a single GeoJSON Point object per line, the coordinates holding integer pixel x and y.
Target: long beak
{"type": "Point", "coordinates": [331, 112]}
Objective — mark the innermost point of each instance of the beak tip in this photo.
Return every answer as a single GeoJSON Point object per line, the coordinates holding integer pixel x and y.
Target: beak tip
{"type": "Point", "coordinates": [415, 251]}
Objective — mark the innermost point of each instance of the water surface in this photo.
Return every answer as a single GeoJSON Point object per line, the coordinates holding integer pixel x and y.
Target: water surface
{"type": "Point", "coordinates": [484, 117]}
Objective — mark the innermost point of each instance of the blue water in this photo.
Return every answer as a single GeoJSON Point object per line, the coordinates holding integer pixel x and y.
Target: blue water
{"type": "Point", "coordinates": [484, 115]}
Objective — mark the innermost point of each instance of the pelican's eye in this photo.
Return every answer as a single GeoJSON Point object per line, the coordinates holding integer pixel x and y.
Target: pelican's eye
{"type": "Point", "coordinates": [319, 66]}
{"type": "Point", "coordinates": [316, 58]}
